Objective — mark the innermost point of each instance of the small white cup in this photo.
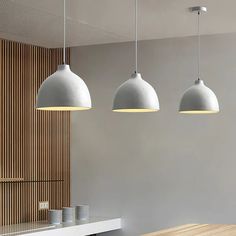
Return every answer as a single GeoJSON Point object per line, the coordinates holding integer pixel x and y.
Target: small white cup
{"type": "Point", "coordinates": [68, 214]}
{"type": "Point", "coordinates": [54, 217]}
{"type": "Point", "coordinates": [82, 212]}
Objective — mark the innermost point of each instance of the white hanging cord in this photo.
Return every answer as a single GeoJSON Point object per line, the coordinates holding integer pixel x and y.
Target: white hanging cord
{"type": "Point", "coordinates": [199, 45]}
{"type": "Point", "coordinates": [136, 36]}
{"type": "Point", "coordinates": [64, 32]}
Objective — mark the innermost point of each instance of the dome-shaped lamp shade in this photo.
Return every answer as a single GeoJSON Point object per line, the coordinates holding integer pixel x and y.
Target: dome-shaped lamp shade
{"type": "Point", "coordinates": [135, 95]}
{"type": "Point", "coordinates": [63, 91]}
{"type": "Point", "coordinates": [199, 99]}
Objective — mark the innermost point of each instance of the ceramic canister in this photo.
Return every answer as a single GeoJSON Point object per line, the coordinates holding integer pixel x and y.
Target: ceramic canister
{"type": "Point", "coordinates": [68, 214]}
{"type": "Point", "coordinates": [54, 216]}
{"type": "Point", "coordinates": [82, 212]}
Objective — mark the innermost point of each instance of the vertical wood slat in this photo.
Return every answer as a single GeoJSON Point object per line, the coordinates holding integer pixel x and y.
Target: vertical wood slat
{"type": "Point", "coordinates": [34, 145]}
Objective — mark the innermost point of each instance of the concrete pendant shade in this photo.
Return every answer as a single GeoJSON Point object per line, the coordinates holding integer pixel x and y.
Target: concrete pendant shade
{"type": "Point", "coordinates": [135, 95]}
{"type": "Point", "coordinates": [63, 91]}
{"type": "Point", "coordinates": [199, 99]}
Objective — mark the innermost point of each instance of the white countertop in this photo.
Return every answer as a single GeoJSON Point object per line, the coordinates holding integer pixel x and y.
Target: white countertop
{"type": "Point", "coordinates": [80, 228]}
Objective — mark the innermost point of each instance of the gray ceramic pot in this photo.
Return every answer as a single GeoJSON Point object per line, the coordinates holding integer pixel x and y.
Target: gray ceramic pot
{"type": "Point", "coordinates": [68, 214]}
{"type": "Point", "coordinates": [54, 217]}
{"type": "Point", "coordinates": [82, 212]}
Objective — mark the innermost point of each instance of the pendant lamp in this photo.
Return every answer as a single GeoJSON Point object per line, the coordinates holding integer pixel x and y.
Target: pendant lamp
{"type": "Point", "coordinates": [199, 99]}
{"type": "Point", "coordinates": [135, 95]}
{"type": "Point", "coordinates": [63, 90]}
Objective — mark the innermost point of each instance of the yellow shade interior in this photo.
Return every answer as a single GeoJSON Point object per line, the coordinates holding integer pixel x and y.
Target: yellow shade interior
{"type": "Point", "coordinates": [198, 112]}
{"type": "Point", "coordinates": [135, 110]}
{"type": "Point", "coordinates": [63, 108]}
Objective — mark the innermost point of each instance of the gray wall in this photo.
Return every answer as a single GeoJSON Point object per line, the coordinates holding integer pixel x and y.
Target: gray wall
{"type": "Point", "coordinates": [161, 169]}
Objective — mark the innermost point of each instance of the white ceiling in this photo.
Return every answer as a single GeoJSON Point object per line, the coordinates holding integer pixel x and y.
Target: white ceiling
{"type": "Point", "coordinates": [89, 22]}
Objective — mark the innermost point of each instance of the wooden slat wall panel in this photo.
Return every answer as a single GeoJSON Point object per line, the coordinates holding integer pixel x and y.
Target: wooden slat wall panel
{"type": "Point", "coordinates": [34, 145]}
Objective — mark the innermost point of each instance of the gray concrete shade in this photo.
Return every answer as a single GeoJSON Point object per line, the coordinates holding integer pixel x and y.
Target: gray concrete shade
{"type": "Point", "coordinates": [135, 95]}
{"type": "Point", "coordinates": [199, 99]}
{"type": "Point", "coordinates": [63, 91]}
